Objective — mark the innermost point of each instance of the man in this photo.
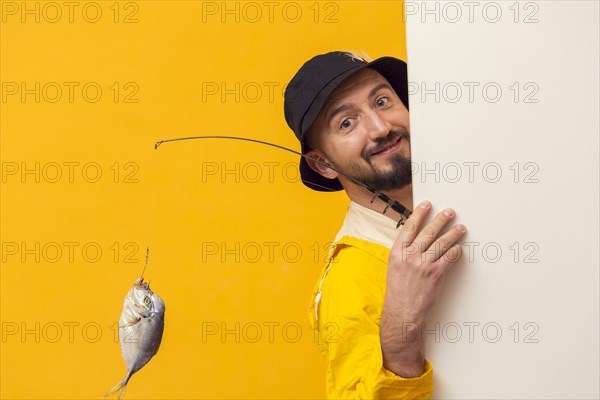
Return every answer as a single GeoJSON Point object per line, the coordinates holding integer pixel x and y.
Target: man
{"type": "Point", "coordinates": [352, 120]}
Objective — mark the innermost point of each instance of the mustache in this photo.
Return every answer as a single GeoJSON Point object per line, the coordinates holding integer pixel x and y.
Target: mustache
{"type": "Point", "coordinates": [382, 143]}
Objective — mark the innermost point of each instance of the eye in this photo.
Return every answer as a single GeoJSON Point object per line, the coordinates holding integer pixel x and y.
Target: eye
{"type": "Point", "coordinates": [347, 123]}
{"type": "Point", "coordinates": [382, 101]}
{"type": "Point", "coordinates": [147, 300]}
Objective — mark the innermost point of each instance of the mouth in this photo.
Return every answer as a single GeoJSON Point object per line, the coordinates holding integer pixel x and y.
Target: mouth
{"type": "Point", "coordinates": [389, 149]}
{"type": "Point", "coordinates": [140, 284]}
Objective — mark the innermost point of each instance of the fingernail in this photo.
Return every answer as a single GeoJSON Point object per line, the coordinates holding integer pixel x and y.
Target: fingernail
{"type": "Point", "coordinates": [449, 212]}
{"type": "Point", "coordinates": [425, 204]}
{"type": "Point", "coordinates": [461, 227]}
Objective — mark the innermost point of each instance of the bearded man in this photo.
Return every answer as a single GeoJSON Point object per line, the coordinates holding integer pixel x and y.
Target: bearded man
{"type": "Point", "coordinates": [371, 301]}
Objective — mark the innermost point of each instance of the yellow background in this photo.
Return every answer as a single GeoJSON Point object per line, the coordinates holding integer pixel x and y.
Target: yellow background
{"type": "Point", "coordinates": [164, 198]}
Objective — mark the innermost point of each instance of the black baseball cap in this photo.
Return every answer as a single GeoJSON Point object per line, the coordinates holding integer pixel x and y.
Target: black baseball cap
{"type": "Point", "coordinates": [314, 82]}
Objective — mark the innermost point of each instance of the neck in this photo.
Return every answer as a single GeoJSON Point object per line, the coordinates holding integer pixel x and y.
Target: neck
{"type": "Point", "coordinates": [363, 197]}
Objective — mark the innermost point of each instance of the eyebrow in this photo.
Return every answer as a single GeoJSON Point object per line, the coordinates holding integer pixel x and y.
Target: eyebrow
{"type": "Point", "coordinates": [347, 106]}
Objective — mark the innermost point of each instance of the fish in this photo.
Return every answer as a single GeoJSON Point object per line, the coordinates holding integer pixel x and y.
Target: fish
{"type": "Point", "coordinates": [141, 327]}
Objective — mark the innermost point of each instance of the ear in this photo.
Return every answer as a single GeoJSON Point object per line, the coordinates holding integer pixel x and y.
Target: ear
{"type": "Point", "coordinates": [322, 166]}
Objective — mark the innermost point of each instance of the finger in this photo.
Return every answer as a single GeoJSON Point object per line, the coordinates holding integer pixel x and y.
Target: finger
{"type": "Point", "coordinates": [445, 251]}
{"type": "Point", "coordinates": [431, 231]}
{"type": "Point", "coordinates": [449, 258]}
{"type": "Point", "coordinates": [411, 227]}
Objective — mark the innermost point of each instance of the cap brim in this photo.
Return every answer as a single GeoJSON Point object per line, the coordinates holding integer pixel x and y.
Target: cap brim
{"type": "Point", "coordinates": [392, 69]}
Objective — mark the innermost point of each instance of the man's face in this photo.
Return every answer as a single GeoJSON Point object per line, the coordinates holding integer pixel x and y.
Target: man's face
{"type": "Point", "coordinates": [363, 131]}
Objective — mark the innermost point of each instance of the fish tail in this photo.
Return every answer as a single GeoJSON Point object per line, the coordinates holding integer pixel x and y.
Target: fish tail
{"type": "Point", "coordinates": [119, 388]}
{"type": "Point", "coordinates": [122, 392]}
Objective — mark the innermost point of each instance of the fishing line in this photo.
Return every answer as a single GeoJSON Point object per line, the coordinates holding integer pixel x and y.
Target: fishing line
{"type": "Point", "coordinates": [146, 263]}
{"type": "Point", "coordinates": [390, 203]}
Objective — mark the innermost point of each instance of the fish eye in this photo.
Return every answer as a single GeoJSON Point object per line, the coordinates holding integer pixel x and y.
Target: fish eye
{"type": "Point", "coordinates": [146, 300]}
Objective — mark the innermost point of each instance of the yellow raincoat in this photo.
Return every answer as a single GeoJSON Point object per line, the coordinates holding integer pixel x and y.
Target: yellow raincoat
{"type": "Point", "coordinates": [347, 313]}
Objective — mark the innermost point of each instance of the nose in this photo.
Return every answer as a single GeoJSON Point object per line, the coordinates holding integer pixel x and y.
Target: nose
{"type": "Point", "coordinates": [376, 125]}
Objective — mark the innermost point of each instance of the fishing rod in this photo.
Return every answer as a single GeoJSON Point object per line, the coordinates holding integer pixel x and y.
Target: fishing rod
{"type": "Point", "coordinates": [390, 203]}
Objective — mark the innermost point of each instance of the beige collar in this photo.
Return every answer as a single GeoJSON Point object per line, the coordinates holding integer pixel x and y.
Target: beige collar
{"type": "Point", "coordinates": [372, 226]}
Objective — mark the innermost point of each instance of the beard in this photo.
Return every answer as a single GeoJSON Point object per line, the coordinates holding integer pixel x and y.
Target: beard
{"type": "Point", "coordinates": [396, 175]}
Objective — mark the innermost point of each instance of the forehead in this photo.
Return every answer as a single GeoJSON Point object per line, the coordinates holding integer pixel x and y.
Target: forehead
{"type": "Point", "coordinates": [361, 81]}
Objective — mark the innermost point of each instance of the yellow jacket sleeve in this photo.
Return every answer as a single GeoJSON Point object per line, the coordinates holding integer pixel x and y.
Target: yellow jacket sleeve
{"type": "Point", "coordinates": [347, 318]}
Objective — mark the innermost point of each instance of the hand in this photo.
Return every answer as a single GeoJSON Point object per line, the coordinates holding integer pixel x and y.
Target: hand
{"type": "Point", "coordinates": [417, 266]}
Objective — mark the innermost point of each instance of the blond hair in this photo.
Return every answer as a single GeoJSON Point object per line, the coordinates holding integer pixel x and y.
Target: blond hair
{"type": "Point", "coordinates": [360, 55]}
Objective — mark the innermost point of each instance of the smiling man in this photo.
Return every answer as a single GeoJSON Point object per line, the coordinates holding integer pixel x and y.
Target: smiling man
{"type": "Point", "coordinates": [371, 302]}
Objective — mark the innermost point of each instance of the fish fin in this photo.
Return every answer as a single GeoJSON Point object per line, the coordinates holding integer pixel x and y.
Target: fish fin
{"type": "Point", "coordinates": [119, 388]}
{"type": "Point", "coordinates": [131, 322]}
